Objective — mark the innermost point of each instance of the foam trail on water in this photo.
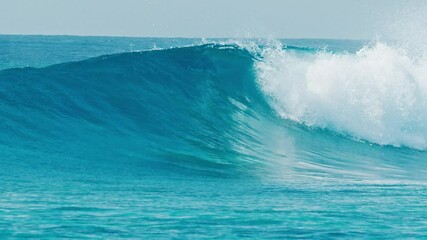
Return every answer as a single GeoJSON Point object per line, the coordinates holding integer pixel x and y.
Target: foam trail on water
{"type": "Point", "coordinates": [378, 94]}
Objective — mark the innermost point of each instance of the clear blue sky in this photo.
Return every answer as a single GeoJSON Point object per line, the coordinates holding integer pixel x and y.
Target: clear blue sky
{"type": "Point", "coordinates": [351, 19]}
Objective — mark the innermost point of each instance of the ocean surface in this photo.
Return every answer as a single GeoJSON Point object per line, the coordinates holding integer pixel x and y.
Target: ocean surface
{"type": "Point", "coordinates": [152, 138]}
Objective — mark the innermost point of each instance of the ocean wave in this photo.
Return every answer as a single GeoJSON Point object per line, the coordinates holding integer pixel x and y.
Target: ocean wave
{"type": "Point", "coordinates": [377, 94]}
{"type": "Point", "coordinates": [218, 109]}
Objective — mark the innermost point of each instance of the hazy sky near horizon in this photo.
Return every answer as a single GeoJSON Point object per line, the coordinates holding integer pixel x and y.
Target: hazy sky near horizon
{"type": "Point", "coordinates": [345, 19]}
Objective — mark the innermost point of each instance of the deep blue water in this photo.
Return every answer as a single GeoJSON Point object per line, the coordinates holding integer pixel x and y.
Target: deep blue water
{"type": "Point", "coordinates": [147, 138]}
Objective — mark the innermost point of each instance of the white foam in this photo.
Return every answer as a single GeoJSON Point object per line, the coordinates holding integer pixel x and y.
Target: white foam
{"type": "Point", "coordinates": [378, 94]}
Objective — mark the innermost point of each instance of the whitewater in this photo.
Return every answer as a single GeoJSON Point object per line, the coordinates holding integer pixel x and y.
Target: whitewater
{"type": "Point", "coordinates": [377, 94]}
{"type": "Point", "coordinates": [104, 137]}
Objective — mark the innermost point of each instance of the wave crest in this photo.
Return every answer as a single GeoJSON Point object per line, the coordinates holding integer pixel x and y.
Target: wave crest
{"type": "Point", "coordinates": [378, 94]}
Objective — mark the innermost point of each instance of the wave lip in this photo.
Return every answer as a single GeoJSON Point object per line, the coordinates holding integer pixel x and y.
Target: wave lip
{"type": "Point", "coordinates": [378, 94]}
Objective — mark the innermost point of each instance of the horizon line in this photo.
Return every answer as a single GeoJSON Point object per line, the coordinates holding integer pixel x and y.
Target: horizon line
{"type": "Point", "coordinates": [172, 37]}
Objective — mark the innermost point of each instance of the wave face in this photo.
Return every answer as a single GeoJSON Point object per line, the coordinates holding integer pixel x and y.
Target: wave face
{"type": "Point", "coordinates": [223, 140]}
{"type": "Point", "coordinates": [198, 105]}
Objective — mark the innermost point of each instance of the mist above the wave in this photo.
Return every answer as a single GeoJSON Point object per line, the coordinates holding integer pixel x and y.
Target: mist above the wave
{"type": "Point", "coordinates": [406, 28]}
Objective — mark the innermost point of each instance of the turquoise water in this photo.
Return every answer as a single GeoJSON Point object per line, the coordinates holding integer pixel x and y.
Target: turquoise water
{"type": "Point", "coordinates": [194, 138]}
